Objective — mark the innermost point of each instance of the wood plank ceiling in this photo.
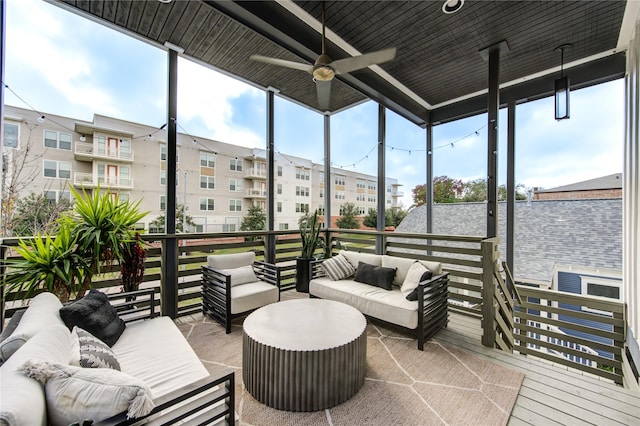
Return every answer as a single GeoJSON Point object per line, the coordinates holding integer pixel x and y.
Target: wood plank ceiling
{"type": "Point", "coordinates": [438, 56]}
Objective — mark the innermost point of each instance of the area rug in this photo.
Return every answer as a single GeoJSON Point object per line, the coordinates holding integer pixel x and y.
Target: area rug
{"type": "Point", "coordinates": [441, 385]}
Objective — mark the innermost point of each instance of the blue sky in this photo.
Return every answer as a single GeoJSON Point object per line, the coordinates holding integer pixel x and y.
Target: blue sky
{"type": "Point", "coordinates": [66, 65]}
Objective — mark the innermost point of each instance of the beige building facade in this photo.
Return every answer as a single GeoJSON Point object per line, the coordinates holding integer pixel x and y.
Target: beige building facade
{"type": "Point", "coordinates": [216, 181]}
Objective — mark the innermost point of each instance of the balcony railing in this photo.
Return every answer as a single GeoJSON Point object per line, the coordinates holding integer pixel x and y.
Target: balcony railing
{"type": "Point", "coordinates": [88, 152]}
{"type": "Point", "coordinates": [255, 193]}
{"type": "Point", "coordinates": [543, 323]}
{"type": "Point", "coordinates": [89, 180]}
{"type": "Point", "coordinates": [255, 173]}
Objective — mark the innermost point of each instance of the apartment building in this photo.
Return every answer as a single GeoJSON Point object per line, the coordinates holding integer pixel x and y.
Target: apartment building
{"type": "Point", "coordinates": [216, 181]}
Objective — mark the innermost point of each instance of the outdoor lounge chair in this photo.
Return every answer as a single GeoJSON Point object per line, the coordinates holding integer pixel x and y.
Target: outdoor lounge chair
{"type": "Point", "coordinates": [233, 285]}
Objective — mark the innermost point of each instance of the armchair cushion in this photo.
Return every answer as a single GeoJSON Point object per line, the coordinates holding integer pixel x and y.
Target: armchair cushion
{"type": "Point", "coordinates": [231, 261]}
{"type": "Point", "coordinates": [417, 273]}
{"type": "Point", "coordinates": [250, 296]}
{"type": "Point", "coordinates": [241, 275]}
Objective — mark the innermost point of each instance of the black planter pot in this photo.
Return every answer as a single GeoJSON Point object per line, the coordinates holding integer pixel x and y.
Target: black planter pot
{"type": "Point", "coordinates": [303, 274]}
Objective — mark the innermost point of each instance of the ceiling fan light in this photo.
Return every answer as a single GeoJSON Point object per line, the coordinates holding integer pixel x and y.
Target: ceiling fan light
{"type": "Point", "coordinates": [323, 73]}
{"type": "Point", "coordinates": [452, 6]}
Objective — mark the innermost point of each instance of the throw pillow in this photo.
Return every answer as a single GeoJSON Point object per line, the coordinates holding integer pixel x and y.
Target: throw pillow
{"type": "Point", "coordinates": [241, 275]}
{"type": "Point", "coordinates": [90, 352]}
{"type": "Point", "coordinates": [95, 314]}
{"type": "Point", "coordinates": [337, 267]}
{"type": "Point", "coordinates": [42, 312]}
{"type": "Point", "coordinates": [74, 394]}
{"type": "Point", "coordinates": [416, 274]}
{"type": "Point", "coordinates": [378, 276]}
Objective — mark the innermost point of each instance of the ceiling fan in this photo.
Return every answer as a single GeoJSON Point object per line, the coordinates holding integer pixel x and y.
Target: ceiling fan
{"type": "Point", "coordinates": [325, 69]}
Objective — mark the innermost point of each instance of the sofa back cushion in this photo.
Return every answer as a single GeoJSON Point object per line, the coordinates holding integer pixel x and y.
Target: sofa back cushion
{"type": "Point", "coordinates": [41, 313]}
{"type": "Point", "coordinates": [434, 267]}
{"type": "Point", "coordinates": [22, 399]}
{"type": "Point", "coordinates": [231, 261]}
{"type": "Point", "coordinates": [355, 257]}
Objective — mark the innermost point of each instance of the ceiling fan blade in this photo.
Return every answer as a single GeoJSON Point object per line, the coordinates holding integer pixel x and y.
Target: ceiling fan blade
{"type": "Point", "coordinates": [283, 63]}
{"type": "Point", "coordinates": [323, 88]}
{"type": "Point", "coordinates": [346, 65]}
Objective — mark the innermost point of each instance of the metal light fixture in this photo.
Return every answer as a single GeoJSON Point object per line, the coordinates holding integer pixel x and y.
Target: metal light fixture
{"type": "Point", "coordinates": [562, 88]}
{"type": "Point", "coordinates": [82, 138]}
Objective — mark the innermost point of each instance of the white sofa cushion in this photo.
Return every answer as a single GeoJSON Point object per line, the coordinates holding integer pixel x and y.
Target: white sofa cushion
{"type": "Point", "coordinates": [75, 394]}
{"type": "Point", "coordinates": [250, 296]}
{"type": "Point", "coordinates": [231, 261]}
{"type": "Point", "coordinates": [401, 264]}
{"type": "Point", "coordinates": [413, 277]}
{"type": "Point", "coordinates": [22, 400]}
{"type": "Point", "coordinates": [386, 305]}
{"type": "Point", "coordinates": [41, 313]}
{"type": "Point", "coordinates": [355, 257]}
{"type": "Point", "coordinates": [156, 352]}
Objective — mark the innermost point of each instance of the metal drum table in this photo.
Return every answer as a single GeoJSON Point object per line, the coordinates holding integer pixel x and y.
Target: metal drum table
{"type": "Point", "coordinates": [305, 354]}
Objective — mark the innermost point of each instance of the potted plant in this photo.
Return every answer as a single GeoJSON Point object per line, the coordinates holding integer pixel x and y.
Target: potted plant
{"type": "Point", "coordinates": [132, 264]}
{"type": "Point", "coordinates": [310, 226]}
{"type": "Point", "coordinates": [48, 263]}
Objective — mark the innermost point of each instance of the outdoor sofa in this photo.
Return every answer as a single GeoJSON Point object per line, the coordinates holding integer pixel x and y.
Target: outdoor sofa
{"type": "Point", "coordinates": [160, 374]}
{"type": "Point", "coordinates": [379, 286]}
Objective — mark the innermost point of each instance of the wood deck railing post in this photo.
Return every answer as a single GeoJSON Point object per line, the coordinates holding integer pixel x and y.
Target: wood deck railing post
{"type": "Point", "coordinates": [3, 254]}
{"type": "Point", "coordinates": [488, 247]}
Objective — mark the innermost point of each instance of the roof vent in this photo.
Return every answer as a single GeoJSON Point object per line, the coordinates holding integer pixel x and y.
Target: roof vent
{"type": "Point", "coordinates": [452, 6]}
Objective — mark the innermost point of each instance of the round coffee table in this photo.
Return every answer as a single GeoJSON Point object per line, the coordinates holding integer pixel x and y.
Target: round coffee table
{"type": "Point", "coordinates": [305, 354]}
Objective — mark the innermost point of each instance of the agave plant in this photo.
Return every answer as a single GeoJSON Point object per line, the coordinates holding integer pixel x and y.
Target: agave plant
{"type": "Point", "coordinates": [103, 227]}
{"type": "Point", "coordinates": [48, 263]}
{"type": "Point", "coordinates": [310, 233]}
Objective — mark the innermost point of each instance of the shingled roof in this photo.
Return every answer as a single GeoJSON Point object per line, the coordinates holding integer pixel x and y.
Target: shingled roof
{"type": "Point", "coordinates": [613, 181]}
{"type": "Point", "coordinates": [584, 232]}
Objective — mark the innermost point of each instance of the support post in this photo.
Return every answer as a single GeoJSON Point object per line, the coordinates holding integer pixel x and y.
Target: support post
{"type": "Point", "coordinates": [327, 171]}
{"type": "Point", "coordinates": [488, 248]}
{"type": "Point", "coordinates": [429, 179]}
{"type": "Point", "coordinates": [270, 255]}
{"type": "Point", "coordinates": [169, 279]}
{"type": "Point", "coordinates": [382, 124]}
{"type": "Point", "coordinates": [3, 33]}
{"type": "Point", "coordinates": [511, 184]}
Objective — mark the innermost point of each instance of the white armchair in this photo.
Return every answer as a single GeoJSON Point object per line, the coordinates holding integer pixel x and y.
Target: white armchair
{"type": "Point", "coordinates": [235, 284]}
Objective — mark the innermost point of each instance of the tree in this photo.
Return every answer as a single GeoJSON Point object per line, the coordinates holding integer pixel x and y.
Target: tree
{"type": "Point", "coordinates": [36, 214]}
{"type": "Point", "coordinates": [347, 220]}
{"type": "Point", "coordinates": [159, 222]}
{"type": "Point", "coordinates": [475, 190]}
{"type": "Point", "coordinates": [446, 189]}
{"type": "Point", "coordinates": [371, 219]}
{"type": "Point", "coordinates": [392, 217]}
{"type": "Point", "coordinates": [255, 219]}
{"type": "Point", "coordinates": [419, 195]}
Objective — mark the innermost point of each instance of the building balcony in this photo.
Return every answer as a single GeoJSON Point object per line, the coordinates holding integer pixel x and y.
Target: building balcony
{"type": "Point", "coordinates": [88, 152]}
{"type": "Point", "coordinates": [397, 194]}
{"type": "Point", "coordinates": [89, 180]}
{"type": "Point", "coordinates": [254, 173]}
{"type": "Point", "coordinates": [255, 193]}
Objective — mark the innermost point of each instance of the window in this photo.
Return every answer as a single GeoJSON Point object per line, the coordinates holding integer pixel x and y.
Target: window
{"type": "Point", "coordinates": [371, 198]}
{"type": "Point", "coordinates": [389, 189]}
{"type": "Point", "coordinates": [360, 184]}
{"type": "Point", "coordinates": [207, 182]}
{"type": "Point", "coordinates": [361, 210]}
{"type": "Point", "coordinates": [302, 191]}
{"type": "Point", "coordinates": [360, 197]}
{"type": "Point", "coordinates": [321, 192]}
{"type": "Point", "coordinates": [57, 169]}
{"type": "Point", "coordinates": [235, 164]}
{"type": "Point", "coordinates": [163, 177]}
{"type": "Point", "coordinates": [279, 189]}
{"type": "Point", "coordinates": [207, 159]}
{"type": "Point", "coordinates": [124, 176]}
{"type": "Point", "coordinates": [339, 195]}
{"type": "Point", "coordinates": [302, 174]}
{"type": "Point", "coordinates": [371, 186]}
{"type": "Point", "coordinates": [283, 226]}
{"type": "Point", "coordinates": [279, 207]}
{"type": "Point", "coordinates": [235, 185]}
{"type": "Point", "coordinates": [339, 180]}
{"type": "Point", "coordinates": [388, 201]}
{"type": "Point", "coordinates": [229, 227]}
{"type": "Point", "coordinates": [125, 148]}
{"type": "Point", "coordinates": [321, 211]}
{"type": "Point", "coordinates": [302, 208]}
{"type": "Point", "coordinates": [163, 152]}
{"type": "Point", "coordinates": [163, 202]}
{"type": "Point", "coordinates": [321, 177]}
{"type": "Point", "coordinates": [10, 135]}
{"type": "Point", "coordinates": [57, 140]}
{"type": "Point", "coordinates": [280, 171]}
{"type": "Point", "coordinates": [50, 196]}
{"type": "Point", "coordinates": [601, 287]}
{"type": "Point", "coordinates": [235, 205]}
{"type": "Point", "coordinates": [207, 204]}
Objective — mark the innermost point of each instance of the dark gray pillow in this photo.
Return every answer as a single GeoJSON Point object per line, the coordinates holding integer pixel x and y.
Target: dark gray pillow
{"type": "Point", "coordinates": [378, 276]}
{"type": "Point", "coordinates": [413, 296]}
{"type": "Point", "coordinates": [95, 314]}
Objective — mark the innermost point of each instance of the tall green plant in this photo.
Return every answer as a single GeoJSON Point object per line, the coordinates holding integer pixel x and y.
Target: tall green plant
{"type": "Point", "coordinates": [103, 227]}
{"type": "Point", "coordinates": [310, 233]}
{"type": "Point", "coordinates": [48, 263]}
